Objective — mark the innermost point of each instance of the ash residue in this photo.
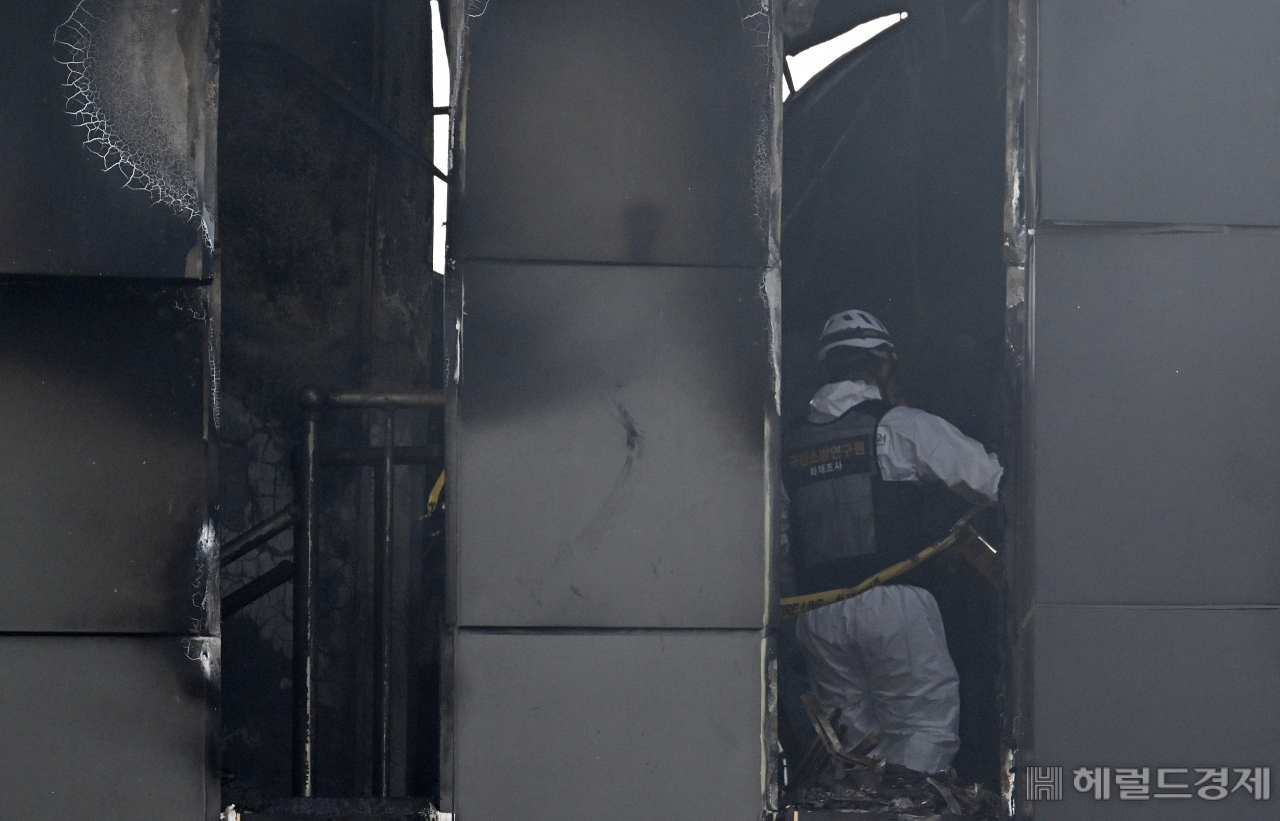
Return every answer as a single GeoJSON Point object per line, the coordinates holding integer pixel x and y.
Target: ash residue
{"type": "Point", "coordinates": [896, 795]}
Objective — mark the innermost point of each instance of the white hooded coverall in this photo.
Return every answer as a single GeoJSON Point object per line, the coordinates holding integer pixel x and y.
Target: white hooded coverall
{"type": "Point", "coordinates": [881, 657]}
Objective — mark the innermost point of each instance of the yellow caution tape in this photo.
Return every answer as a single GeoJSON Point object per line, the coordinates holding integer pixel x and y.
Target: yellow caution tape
{"type": "Point", "coordinates": [795, 605]}
{"type": "Point", "coordinates": [433, 500]}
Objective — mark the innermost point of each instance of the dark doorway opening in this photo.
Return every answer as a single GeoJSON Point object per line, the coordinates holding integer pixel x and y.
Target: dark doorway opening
{"type": "Point", "coordinates": [893, 196]}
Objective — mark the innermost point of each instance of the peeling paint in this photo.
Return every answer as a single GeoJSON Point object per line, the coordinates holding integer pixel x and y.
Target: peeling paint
{"type": "Point", "coordinates": [1007, 776]}
{"type": "Point", "coordinates": [757, 23]}
{"type": "Point", "coordinates": [1019, 192]}
{"type": "Point", "coordinates": [756, 18]}
{"type": "Point", "coordinates": [457, 327]}
{"type": "Point", "coordinates": [770, 749]}
{"type": "Point", "coordinates": [771, 290]}
{"type": "Point", "coordinates": [215, 379]}
{"type": "Point", "coordinates": [207, 580]}
{"type": "Point", "coordinates": [456, 67]}
{"type": "Point", "coordinates": [128, 85]}
{"type": "Point", "coordinates": [1015, 286]}
{"type": "Point", "coordinates": [772, 517]}
{"type": "Point", "coordinates": [208, 653]}
{"type": "Point", "coordinates": [1019, 220]}
{"type": "Point", "coordinates": [457, 355]}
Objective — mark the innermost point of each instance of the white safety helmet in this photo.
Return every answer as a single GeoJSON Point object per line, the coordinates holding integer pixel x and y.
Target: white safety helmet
{"type": "Point", "coordinates": [855, 329]}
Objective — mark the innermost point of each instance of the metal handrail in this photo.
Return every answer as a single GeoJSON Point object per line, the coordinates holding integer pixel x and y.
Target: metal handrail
{"type": "Point", "coordinates": [384, 400]}
{"type": "Point", "coordinates": [241, 598]}
{"type": "Point", "coordinates": [259, 534]}
{"type": "Point", "coordinates": [314, 401]}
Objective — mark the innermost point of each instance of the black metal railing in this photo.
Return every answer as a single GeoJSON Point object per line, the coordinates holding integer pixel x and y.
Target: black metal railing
{"type": "Point", "coordinates": [246, 542]}
{"type": "Point", "coordinates": [384, 459]}
{"type": "Point", "coordinates": [258, 535]}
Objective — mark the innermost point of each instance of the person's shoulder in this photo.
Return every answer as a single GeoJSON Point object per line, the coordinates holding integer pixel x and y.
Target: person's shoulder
{"type": "Point", "coordinates": [905, 416]}
{"type": "Point", "coordinates": [914, 423]}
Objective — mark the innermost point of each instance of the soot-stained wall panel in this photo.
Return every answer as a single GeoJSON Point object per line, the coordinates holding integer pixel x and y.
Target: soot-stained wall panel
{"type": "Point", "coordinates": [1157, 362]}
{"type": "Point", "coordinates": [108, 727]}
{"type": "Point", "coordinates": [103, 468]}
{"type": "Point", "coordinates": [618, 131]}
{"type": "Point", "coordinates": [108, 111]}
{"type": "Point", "coordinates": [610, 447]}
{"type": "Point", "coordinates": [625, 726]}
{"type": "Point", "coordinates": [1174, 689]}
{"type": "Point", "coordinates": [1159, 112]}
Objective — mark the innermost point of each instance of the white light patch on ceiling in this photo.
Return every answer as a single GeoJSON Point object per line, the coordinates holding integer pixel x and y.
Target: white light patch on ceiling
{"type": "Point", "coordinates": [808, 63]}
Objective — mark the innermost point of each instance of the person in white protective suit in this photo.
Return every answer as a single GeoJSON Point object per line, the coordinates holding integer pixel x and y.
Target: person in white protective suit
{"type": "Point", "coordinates": [852, 472]}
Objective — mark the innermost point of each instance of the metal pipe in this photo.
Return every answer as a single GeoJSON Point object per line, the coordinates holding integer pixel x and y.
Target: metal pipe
{"type": "Point", "coordinates": [258, 534]}
{"type": "Point", "coordinates": [404, 455]}
{"type": "Point", "coordinates": [242, 597]}
{"type": "Point", "coordinates": [384, 485]}
{"type": "Point", "coordinates": [304, 609]}
{"type": "Point", "coordinates": [370, 399]}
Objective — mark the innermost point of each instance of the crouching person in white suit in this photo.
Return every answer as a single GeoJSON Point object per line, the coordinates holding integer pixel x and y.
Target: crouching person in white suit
{"type": "Point", "coordinates": [853, 472]}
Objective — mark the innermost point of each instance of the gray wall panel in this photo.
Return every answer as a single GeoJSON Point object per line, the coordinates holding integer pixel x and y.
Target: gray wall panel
{"type": "Point", "coordinates": [579, 727]}
{"type": "Point", "coordinates": [103, 467]}
{"type": "Point", "coordinates": [1160, 112]}
{"type": "Point", "coordinates": [1157, 376]}
{"type": "Point", "coordinates": [109, 728]}
{"type": "Point", "coordinates": [621, 131]}
{"type": "Point", "coordinates": [1156, 688]}
{"type": "Point", "coordinates": [611, 447]}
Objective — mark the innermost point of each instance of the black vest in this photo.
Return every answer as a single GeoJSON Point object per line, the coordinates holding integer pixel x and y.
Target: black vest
{"type": "Point", "coordinates": [847, 523]}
